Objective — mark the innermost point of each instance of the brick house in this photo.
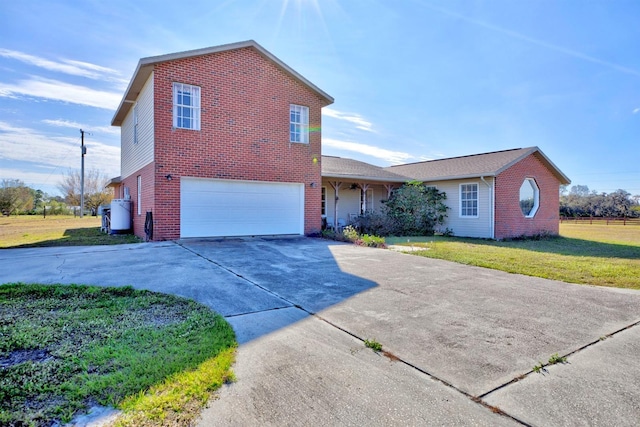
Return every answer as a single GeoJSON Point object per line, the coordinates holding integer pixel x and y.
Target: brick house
{"type": "Point", "coordinates": [226, 141]}
{"type": "Point", "coordinates": [220, 141]}
{"type": "Point", "coordinates": [493, 195]}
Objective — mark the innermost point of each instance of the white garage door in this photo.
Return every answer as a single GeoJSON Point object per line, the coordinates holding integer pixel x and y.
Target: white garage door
{"type": "Point", "coordinates": [215, 207]}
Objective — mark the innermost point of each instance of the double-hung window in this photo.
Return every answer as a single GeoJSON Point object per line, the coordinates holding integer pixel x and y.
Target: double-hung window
{"type": "Point", "coordinates": [186, 106]}
{"type": "Point", "coordinates": [299, 124]}
{"type": "Point", "coordinates": [135, 123]}
{"type": "Point", "coordinates": [469, 200]}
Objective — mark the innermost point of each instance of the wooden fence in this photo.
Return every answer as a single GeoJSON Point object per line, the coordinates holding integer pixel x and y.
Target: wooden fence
{"type": "Point", "coordinates": [600, 220]}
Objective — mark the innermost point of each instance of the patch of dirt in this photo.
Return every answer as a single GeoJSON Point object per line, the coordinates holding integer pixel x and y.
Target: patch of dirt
{"type": "Point", "coordinates": [20, 356]}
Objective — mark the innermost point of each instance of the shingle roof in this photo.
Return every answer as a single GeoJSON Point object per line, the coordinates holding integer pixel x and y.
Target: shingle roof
{"type": "Point", "coordinates": [145, 67]}
{"type": "Point", "coordinates": [473, 166]}
{"type": "Point", "coordinates": [337, 167]}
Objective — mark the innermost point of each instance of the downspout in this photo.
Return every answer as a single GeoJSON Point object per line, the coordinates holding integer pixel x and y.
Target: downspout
{"type": "Point", "coordinates": [492, 206]}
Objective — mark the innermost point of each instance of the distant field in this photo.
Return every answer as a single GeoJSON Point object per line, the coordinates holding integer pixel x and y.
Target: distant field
{"type": "Point", "coordinates": [59, 230]}
{"type": "Point", "coordinates": [602, 233]}
{"type": "Point", "coordinates": [587, 254]}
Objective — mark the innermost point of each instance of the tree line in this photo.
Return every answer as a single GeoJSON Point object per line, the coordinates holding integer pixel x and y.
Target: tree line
{"type": "Point", "coordinates": [580, 202]}
{"type": "Point", "coordinates": [16, 198]}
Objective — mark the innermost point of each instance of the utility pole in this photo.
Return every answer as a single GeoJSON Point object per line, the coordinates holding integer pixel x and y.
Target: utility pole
{"type": "Point", "coordinates": [83, 151]}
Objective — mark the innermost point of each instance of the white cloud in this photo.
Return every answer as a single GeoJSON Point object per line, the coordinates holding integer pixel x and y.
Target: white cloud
{"type": "Point", "coordinates": [636, 111]}
{"type": "Point", "coordinates": [356, 119]}
{"type": "Point", "coordinates": [44, 151]}
{"type": "Point", "coordinates": [75, 125]}
{"type": "Point", "coordinates": [66, 66]}
{"type": "Point", "coordinates": [60, 91]}
{"type": "Point", "coordinates": [546, 45]}
{"type": "Point", "coordinates": [393, 157]}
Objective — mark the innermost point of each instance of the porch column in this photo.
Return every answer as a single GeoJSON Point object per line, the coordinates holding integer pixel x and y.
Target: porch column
{"type": "Point", "coordinates": [336, 186]}
{"type": "Point", "coordinates": [363, 188]}
{"type": "Point", "coordinates": [389, 188]}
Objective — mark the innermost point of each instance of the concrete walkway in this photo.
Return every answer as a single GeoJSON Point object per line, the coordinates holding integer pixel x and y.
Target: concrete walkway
{"type": "Point", "coordinates": [460, 341]}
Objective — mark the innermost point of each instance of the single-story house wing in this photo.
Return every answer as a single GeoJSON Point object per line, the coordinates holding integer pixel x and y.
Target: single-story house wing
{"type": "Point", "coordinates": [494, 195]}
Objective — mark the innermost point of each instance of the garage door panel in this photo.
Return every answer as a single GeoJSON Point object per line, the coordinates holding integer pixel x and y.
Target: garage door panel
{"type": "Point", "coordinates": [210, 207]}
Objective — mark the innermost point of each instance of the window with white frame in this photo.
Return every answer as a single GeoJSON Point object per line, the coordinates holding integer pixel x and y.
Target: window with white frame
{"type": "Point", "coordinates": [529, 197]}
{"type": "Point", "coordinates": [299, 124]}
{"type": "Point", "coordinates": [135, 123]}
{"type": "Point", "coordinates": [469, 200]}
{"type": "Point", "coordinates": [324, 200]}
{"type": "Point", "coordinates": [139, 195]}
{"type": "Point", "coordinates": [186, 106]}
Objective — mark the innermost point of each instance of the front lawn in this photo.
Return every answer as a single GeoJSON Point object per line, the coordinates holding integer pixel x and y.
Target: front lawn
{"type": "Point", "coordinates": [65, 348]}
{"type": "Point", "coordinates": [27, 231]}
{"type": "Point", "coordinates": [587, 254]}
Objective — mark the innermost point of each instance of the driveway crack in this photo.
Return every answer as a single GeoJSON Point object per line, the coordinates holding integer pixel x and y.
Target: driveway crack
{"type": "Point", "coordinates": [394, 358]}
{"type": "Point", "coordinates": [59, 268]}
{"type": "Point", "coordinates": [571, 353]}
{"type": "Point", "coordinates": [240, 276]}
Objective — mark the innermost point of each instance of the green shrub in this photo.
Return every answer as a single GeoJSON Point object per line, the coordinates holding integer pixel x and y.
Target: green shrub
{"type": "Point", "coordinates": [350, 233]}
{"type": "Point", "coordinates": [413, 209]}
{"type": "Point", "coordinates": [371, 241]}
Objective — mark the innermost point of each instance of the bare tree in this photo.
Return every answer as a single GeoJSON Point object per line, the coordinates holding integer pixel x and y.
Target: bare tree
{"type": "Point", "coordinates": [15, 197]}
{"type": "Point", "coordinates": [95, 193]}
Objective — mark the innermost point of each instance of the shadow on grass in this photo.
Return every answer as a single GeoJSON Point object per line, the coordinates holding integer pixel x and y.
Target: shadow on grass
{"type": "Point", "coordinates": [83, 237]}
{"type": "Point", "coordinates": [555, 245]}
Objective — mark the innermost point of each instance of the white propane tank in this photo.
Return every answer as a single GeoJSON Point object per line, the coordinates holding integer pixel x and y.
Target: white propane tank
{"type": "Point", "coordinates": [120, 215]}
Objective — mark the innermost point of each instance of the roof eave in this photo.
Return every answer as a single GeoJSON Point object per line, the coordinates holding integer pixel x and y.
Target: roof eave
{"type": "Point", "coordinates": [400, 179]}
{"type": "Point", "coordinates": [114, 182]}
{"type": "Point", "coordinates": [456, 177]}
{"type": "Point", "coordinates": [146, 65]}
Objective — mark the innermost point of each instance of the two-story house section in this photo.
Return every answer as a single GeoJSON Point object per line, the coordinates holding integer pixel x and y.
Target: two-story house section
{"type": "Point", "coordinates": [221, 141]}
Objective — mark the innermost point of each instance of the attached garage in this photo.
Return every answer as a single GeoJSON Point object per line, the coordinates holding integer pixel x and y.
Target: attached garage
{"type": "Point", "coordinates": [217, 207]}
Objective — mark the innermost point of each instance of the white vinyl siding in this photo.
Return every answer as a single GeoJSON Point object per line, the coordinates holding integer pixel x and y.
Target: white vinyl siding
{"type": "Point", "coordinates": [134, 156]}
{"type": "Point", "coordinates": [479, 226]}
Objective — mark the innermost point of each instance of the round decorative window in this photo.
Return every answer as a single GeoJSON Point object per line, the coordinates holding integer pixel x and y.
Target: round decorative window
{"type": "Point", "coordinates": [529, 197]}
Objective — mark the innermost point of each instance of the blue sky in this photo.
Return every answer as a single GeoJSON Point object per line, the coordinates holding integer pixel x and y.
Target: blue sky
{"type": "Point", "coordinates": [412, 80]}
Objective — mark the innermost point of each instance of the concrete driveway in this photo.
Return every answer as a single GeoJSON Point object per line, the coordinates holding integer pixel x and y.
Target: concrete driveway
{"type": "Point", "coordinates": [461, 341]}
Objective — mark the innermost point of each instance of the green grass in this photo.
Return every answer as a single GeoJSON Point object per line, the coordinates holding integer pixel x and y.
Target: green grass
{"type": "Point", "coordinates": [373, 345]}
{"type": "Point", "coordinates": [28, 231]}
{"type": "Point", "coordinates": [586, 254]}
{"type": "Point", "coordinates": [64, 348]}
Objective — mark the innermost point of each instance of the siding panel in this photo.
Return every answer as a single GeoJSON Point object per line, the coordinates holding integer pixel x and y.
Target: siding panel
{"type": "Point", "coordinates": [135, 156]}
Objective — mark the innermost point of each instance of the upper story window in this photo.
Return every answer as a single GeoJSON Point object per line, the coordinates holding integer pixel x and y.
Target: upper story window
{"type": "Point", "coordinates": [529, 197]}
{"type": "Point", "coordinates": [299, 124]}
{"type": "Point", "coordinates": [186, 106]}
{"type": "Point", "coordinates": [469, 200]}
{"type": "Point", "coordinates": [135, 123]}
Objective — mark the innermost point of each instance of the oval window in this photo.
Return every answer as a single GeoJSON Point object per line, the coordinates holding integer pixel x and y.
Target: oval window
{"type": "Point", "coordinates": [529, 197]}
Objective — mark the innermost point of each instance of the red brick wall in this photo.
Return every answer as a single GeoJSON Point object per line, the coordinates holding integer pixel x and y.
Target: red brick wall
{"type": "Point", "coordinates": [244, 132]}
{"type": "Point", "coordinates": [509, 220]}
